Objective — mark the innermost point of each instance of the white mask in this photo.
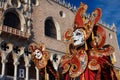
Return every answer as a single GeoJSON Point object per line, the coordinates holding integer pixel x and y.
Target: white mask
{"type": "Point", "coordinates": [38, 54]}
{"type": "Point", "coordinates": [78, 37]}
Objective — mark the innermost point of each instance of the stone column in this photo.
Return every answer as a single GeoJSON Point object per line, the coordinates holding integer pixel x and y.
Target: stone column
{"type": "Point", "coordinates": [37, 73]}
{"type": "Point", "coordinates": [3, 67]}
{"type": "Point", "coordinates": [27, 71]}
{"type": "Point", "coordinates": [15, 70]}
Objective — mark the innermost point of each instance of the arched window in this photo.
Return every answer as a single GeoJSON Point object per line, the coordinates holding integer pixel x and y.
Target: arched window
{"type": "Point", "coordinates": [21, 69]}
{"type": "Point", "coordinates": [32, 71]}
{"type": "Point", "coordinates": [9, 70]}
{"type": "Point", "coordinates": [50, 29]}
{"type": "Point", "coordinates": [11, 20]}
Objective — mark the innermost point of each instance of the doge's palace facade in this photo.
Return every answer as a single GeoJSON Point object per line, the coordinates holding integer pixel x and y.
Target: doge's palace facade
{"type": "Point", "coordinates": [26, 21]}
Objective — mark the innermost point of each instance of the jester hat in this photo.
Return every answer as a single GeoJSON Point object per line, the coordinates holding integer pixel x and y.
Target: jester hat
{"type": "Point", "coordinates": [84, 22]}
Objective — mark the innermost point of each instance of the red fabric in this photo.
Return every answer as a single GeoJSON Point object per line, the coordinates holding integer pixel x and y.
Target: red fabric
{"type": "Point", "coordinates": [106, 71]}
{"type": "Point", "coordinates": [89, 75]}
{"type": "Point", "coordinates": [67, 77]}
{"type": "Point", "coordinates": [98, 75]}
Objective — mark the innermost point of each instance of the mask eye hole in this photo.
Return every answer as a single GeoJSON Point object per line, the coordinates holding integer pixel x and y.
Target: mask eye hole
{"type": "Point", "coordinates": [78, 33]}
{"type": "Point", "coordinates": [38, 51]}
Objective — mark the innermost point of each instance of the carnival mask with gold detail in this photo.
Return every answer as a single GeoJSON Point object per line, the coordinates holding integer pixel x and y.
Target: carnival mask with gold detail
{"type": "Point", "coordinates": [99, 49]}
{"type": "Point", "coordinates": [38, 55]}
{"type": "Point", "coordinates": [78, 37]}
{"type": "Point", "coordinates": [83, 25]}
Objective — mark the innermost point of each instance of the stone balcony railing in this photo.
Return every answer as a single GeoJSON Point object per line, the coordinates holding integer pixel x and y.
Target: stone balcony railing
{"type": "Point", "coordinates": [14, 31]}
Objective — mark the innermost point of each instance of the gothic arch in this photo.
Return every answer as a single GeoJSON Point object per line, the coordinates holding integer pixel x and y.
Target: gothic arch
{"type": "Point", "coordinates": [21, 67]}
{"type": "Point", "coordinates": [9, 69]}
{"type": "Point", "coordinates": [18, 18]}
{"type": "Point", "coordinates": [32, 71]}
{"type": "Point", "coordinates": [52, 28]}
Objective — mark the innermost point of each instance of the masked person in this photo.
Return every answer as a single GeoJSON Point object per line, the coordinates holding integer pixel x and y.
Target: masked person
{"type": "Point", "coordinates": [41, 59]}
{"type": "Point", "coordinates": [88, 58]}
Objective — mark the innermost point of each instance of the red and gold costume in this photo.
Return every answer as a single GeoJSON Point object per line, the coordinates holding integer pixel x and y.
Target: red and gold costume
{"type": "Point", "coordinates": [88, 58]}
